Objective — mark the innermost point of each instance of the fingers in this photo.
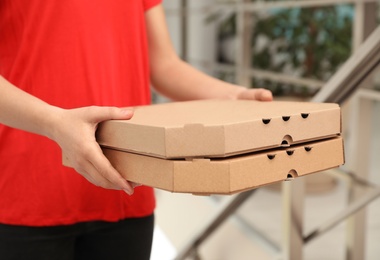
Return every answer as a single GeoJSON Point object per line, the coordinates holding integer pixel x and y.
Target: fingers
{"type": "Point", "coordinates": [259, 94]}
{"type": "Point", "coordinates": [134, 184]}
{"type": "Point", "coordinates": [107, 178]}
{"type": "Point", "coordinates": [107, 175]}
{"type": "Point", "coordinates": [76, 137]}
{"type": "Point", "coordinates": [265, 95]}
{"type": "Point", "coordinates": [98, 170]}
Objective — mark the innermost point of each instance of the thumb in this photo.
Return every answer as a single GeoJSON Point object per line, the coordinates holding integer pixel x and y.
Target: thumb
{"type": "Point", "coordinates": [100, 114]}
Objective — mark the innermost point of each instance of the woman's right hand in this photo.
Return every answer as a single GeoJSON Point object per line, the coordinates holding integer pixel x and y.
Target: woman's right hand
{"type": "Point", "coordinates": [74, 131]}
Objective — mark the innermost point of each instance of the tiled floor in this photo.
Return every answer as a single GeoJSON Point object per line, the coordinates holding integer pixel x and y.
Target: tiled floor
{"type": "Point", "coordinates": [180, 215]}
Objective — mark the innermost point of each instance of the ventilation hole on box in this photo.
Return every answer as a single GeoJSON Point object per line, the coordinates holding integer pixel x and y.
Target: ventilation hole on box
{"type": "Point", "coordinates": [305, 115]}
{"type": "Point", "coordinates": [291, 175]}
{"type": "Point", "coordinates": [290, 152]}
{"type": "Point", "coordinates": [286, 141]}
{"type": "Point", "coordinates": [286, 118]}
{"type": "Point", "coordinates": [308, 148]}
{"type": "Point", "coordinates": [266, 120]}
{"type": "Point", "coordinates": [271, 156]}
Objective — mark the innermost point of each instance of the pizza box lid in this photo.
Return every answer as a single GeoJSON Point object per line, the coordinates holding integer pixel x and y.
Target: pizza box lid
{"type": "Point", "coordinates": [219, 128]}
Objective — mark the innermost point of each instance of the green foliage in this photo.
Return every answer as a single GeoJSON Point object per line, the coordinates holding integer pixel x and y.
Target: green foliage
{"type": "Point", "coordinates": [307, 42]}
{"type": "Point", "coordinates": [315, 40]}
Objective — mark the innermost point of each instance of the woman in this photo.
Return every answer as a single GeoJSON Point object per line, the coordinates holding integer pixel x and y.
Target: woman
{"type": "Point", "coordinates": [65, 66]}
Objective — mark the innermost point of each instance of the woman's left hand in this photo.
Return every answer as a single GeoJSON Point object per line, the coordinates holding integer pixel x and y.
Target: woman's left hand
{"type": "Point", "coordinates": [259, 94]}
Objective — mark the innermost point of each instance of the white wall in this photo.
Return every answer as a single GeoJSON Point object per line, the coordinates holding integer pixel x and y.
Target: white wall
{"type": "Point", "coordinates": [201, 35]}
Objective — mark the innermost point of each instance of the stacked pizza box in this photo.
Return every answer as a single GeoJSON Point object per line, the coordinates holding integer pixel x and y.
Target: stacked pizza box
{"type": "Point", "coordinates": [223, 146]}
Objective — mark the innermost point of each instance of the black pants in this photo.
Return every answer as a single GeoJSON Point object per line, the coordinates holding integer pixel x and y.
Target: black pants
{"type": "Point", "coordinates": [126, 239]}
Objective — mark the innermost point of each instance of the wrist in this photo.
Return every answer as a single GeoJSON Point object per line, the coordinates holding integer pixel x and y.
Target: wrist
{"type": "Point", "coordinates": [51, 121]}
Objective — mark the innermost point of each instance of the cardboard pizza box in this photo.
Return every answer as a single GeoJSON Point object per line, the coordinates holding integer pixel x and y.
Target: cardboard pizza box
{"type": "Point", "coordinates": [219, 128]}
{"type": "Point", "coordinates": [206, 176]}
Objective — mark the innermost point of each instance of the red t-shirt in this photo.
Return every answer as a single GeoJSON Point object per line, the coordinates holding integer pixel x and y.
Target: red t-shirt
{"type": "Point", "coordinates": [69, 53]}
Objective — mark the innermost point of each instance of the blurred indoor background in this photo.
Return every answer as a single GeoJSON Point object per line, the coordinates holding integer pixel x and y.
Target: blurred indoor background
{"type": "Point", "coordinates": [292, 48]}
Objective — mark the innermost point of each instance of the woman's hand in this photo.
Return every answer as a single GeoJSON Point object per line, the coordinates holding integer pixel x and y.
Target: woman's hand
{"type": "Point", "coordinates": [259, 94]}
{"type": "Point", "coordinates": [74, 131]}
{"type": "Point", "coordinates": [178, 80]}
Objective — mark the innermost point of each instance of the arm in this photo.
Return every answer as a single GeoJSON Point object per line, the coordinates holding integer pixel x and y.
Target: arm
{"type": "Point", "coordinates": [176, 79]}
{"type": "Point", "coordinates": [23, 111]}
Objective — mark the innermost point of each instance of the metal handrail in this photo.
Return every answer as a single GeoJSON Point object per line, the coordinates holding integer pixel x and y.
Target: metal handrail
{"type": "Point", "coordinates": [236, 6]}
{"type": "Point", "coordinates": [239, 7]}
{"type": "Point", "coordinates": [336, 90]}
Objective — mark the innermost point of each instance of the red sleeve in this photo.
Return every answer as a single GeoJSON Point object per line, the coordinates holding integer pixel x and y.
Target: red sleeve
{"type": "Point", "coordinates": [150, 3]}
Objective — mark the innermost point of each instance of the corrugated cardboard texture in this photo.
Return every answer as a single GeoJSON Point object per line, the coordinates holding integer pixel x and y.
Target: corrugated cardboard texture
{"type": "Point", "coordinates": [228, 175]}
{"type": "Point", "coordinates": [219, 128]}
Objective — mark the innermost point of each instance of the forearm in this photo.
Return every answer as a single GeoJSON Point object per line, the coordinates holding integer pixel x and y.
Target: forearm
{"type": "Point", "coordinates": [179, 81]}
{"type": "Point", "coordinates": [21, 110]}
